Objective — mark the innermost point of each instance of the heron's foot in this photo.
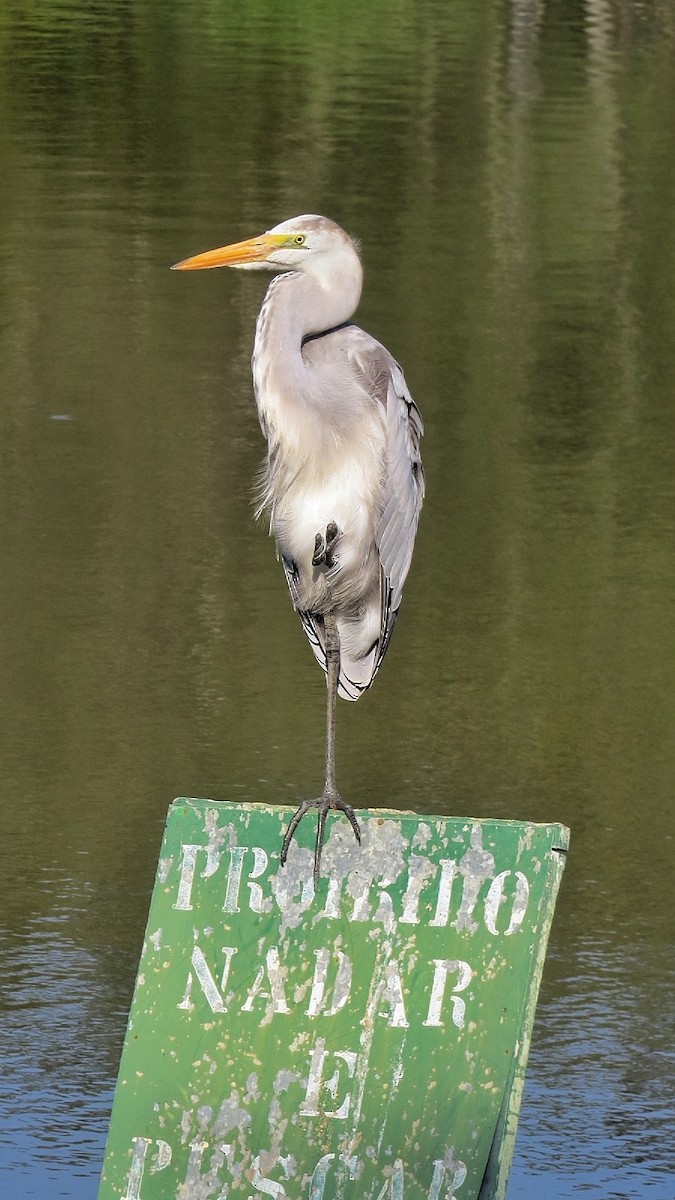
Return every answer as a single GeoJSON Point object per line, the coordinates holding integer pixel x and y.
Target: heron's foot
{"type": "Point", "coordinates": [330, 801]}
{"type": "Point", "coordinates": [324, 546]}
{"type": "Point", "coordinates": [332, 535]}
{"type": "Point", "coordinates": [319, 555]}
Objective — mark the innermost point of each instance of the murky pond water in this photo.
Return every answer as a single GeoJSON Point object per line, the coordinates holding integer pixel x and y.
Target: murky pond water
{"type": "Point", "coordinates": [508, 169]}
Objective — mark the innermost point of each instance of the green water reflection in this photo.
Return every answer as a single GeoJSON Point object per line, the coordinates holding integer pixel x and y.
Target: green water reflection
{"type": "Point", "coordinates": [509, 171]}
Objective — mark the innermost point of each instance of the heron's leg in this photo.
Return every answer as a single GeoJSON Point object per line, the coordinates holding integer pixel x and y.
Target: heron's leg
{"type": "Point", "coordinates": [330, 797]}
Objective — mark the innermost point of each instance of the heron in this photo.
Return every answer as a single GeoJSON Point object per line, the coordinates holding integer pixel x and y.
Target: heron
{"type": "Point", "coordinates": [343, 482]}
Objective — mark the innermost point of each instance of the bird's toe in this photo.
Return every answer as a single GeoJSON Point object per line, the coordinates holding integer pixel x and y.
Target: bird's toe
{"type": "Point", "coordinates": [332, 536]}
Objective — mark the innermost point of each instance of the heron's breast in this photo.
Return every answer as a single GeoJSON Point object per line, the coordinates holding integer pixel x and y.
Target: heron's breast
{"type": "Point", "coordinates": [349, 495]}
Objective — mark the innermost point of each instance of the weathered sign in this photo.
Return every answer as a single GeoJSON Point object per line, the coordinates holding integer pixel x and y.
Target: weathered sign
{"type": "Point", "coordinates": [367, 1042]}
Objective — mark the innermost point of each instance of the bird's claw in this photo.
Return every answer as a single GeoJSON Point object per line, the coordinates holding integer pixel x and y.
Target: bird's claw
{"type": "Point", "coordinates": [332, 535]}
{"type": "Point", "coordinates": [329, 801]}
{"type": "Point", "coordinates": [324, 547]}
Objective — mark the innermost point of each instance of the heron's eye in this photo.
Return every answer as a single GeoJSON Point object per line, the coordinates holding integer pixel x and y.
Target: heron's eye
{"type": "Point", "coordinates": [299, 239]}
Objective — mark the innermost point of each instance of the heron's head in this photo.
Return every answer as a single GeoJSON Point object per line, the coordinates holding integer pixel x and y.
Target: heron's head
{"type": "Point", "coordinates": [310, 244]}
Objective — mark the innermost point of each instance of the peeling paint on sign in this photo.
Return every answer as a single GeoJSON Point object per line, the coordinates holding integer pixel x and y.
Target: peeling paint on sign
{"type": "Point", "coordinates": [364, 1042]}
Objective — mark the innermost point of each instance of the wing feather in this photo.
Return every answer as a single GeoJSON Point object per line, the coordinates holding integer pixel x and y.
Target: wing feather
{"type": "Point", "coordinates": [383, 383]}
{"type": "Point", "coordinates": [403, 477]}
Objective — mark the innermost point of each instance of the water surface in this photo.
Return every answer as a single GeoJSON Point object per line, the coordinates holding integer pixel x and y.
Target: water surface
{"type": "Point", "coordinates": [509, 171]}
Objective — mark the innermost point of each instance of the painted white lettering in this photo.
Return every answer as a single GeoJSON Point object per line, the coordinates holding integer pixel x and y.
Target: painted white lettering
{"type": "Point", "coordinates": [315, 1082]}
{"type": "Point", "coordinates": [209, 1182]}
{"type": "Point", "coordinates": [419, 871]}
{"type": "Point", "coordinates": [231, 901]}
{"type": "Point", "coordinates": [268, 1187]}
{"type": "Point", "coordinates": [392, 994]}
{"type": "Point", "coordinates": [507, 893]}
{"type": "Point", "coordinates": [187, 872]}
{"type": "Point", "coordinates": [310, 1107]}
{"type": "Point", "coordinates": [276, 995]}
{"type": "Point", "coordinates": [496, 897]}
{"type": "Point", "coordinates": [341, 987]}
{"type": "Point", "coordinates": [442, 968]}
{"type": "Point", "coordinates": [361, 908]}
{"type": "Point", "coordinates": [333, 898]}
{"type": "Point", "coordinates": [448, 868]}
{"type": "Point", "coordinates": [458, 1170]}
{"type": "Point", "coordinates": [257, 901]}
{"type": "Point", "coordinates": [475, 866]}
{"type": "Point", "coordinates": [139, 1151]}
{"type": "Point", "coordinates": [286, 886]}
{"type": "Point", "coordinates": [206, 981]}
{"type": "Point", "coordinates": [393, 1185]}
{"type": "Point", "coordinates": [384, 909]}
{"type": "Point", "coordinates": [383, 914]}
{"type": "Point", "coordinates": [318, 1181]}
{"type": "Point", "coordinates": [193, 1175]}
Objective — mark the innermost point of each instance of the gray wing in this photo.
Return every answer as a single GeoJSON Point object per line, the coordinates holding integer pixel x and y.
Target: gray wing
{"type": "Point", "coordinates": [404, 493]}
{"type": "Point", "coordinates": [383, 382]}
{"type": "Point", "coordinates": [403, 477]}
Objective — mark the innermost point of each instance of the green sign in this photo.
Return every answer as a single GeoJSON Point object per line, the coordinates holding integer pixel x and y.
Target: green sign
{"type": "Point", "coordinates": [367, 1042]}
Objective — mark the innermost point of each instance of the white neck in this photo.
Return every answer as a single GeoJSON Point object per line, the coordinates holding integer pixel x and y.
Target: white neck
{"type": "Point", "coordinates": [297, 306]}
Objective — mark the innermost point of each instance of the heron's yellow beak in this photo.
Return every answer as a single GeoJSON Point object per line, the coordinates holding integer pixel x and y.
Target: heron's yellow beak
{"type": "Point", "coordinates": [240, 254]}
